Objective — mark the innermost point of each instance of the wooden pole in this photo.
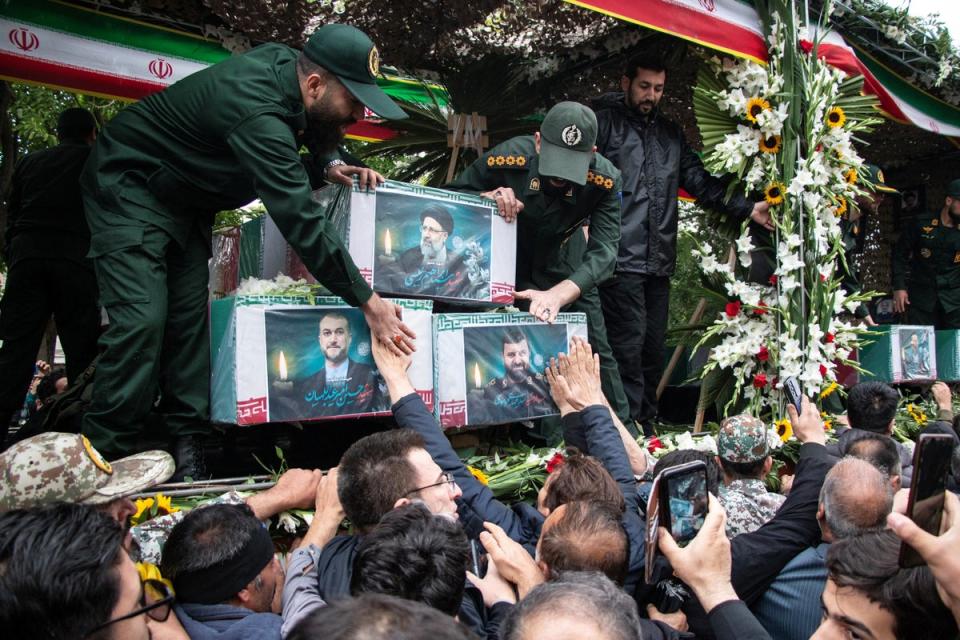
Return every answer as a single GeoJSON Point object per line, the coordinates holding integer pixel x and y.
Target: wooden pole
{"type": "Point", "coordinates": [678, 351]}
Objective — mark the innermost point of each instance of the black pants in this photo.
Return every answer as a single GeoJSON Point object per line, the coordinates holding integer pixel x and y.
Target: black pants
{"type": "Point", "coordinates": [636, 309]}
{"type": "Point", "coordinates": [37, 288]}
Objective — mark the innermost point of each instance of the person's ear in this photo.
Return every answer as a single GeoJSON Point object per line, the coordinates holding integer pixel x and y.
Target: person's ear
{"type": "Point", "coordinates": [536, 141]}
{"type": "Point", "coordinates": [544, 569]}
{"type": "Point", "coordinates": [767, 465]}
{"type": "Point", "coordinates": [401, 502]}
{"type": "Point", "coordinates": [889, 431]}
{"type": "Point", "coordinates": [624, 83]}
{"type": "Point", "coordinates": [821, 513]}
{"type": "Point", "coordinates": [314, 86]}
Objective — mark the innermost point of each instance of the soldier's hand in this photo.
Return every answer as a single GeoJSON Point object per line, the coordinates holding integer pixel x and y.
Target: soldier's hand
{"type": "Point", "coordinates": [761, 215]}
{"type": "Point", "coordinates": [545, 305]}
{"type": "Point", "coordinates": [900, 300]}
{"type": "Point", "coordinates": [386, 325]}
{"type": "Point", "coordinates": [507, 203]}
{"type": "Point", "coordinates": [343, 174]}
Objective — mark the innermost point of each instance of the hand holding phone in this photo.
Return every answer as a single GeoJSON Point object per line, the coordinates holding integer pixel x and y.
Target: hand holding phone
{"type": "Point", "coordinates": [931, 462]}
{"type": "Point", "coordinates": [791, 389]}
{"type": "Point", "coordinates": [684, 500]}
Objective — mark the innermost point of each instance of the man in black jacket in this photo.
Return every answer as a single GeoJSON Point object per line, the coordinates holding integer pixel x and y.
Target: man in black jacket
{"type": "Point", "coordinates": [655, 160]}
{"type": "Point", "coordinates": [45, 248]}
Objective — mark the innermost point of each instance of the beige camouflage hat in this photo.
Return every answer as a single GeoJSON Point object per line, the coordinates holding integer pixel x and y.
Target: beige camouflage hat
{"type": "Point", "coordinates": [742, 438]}
{"type": "Point", "coordinates": [52, 467]}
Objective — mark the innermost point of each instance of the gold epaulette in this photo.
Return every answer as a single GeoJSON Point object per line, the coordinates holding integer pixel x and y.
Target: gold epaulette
{"type": "Point", "coordinates": [507, 161]}
{"type": "Point", "coordinates": [599, 180]}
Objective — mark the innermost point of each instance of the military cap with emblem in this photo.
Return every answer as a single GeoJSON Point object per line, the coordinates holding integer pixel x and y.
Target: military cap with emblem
{"type": "Point", "coordinates": [439, 213]}
{"type": "Point", "coordinates": [567, 137]}
{"type": "Point", "coordinates": [872, 174]}
{"type": "Point", "coordinates": [742, 439]}
{"type": "Point", "coordinates": [64, 467]}
{"type": "Point", "coordinates": [349, 54]}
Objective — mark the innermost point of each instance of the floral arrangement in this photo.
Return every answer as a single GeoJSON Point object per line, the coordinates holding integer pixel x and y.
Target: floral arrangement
{"type": "Point", "coordinates": [516, 472]}
{"type": "Point", "coordinates": [785, 130]}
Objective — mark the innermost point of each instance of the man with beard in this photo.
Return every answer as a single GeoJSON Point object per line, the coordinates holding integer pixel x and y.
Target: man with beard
{"type": "Point", "coordinates": [521, 392]}
{"type": "Point", "coordinates": [929, 289]}
{"type": "Point", "coordinates": [342, 385]}
{"type": "Point", "coordinates": [655, 160]}
{"type": "Point", "coordinates": [569, 229]}
{"type": "Point", "coordinates": [431, 269]}
{"type": "Point", "coordinates": [158, 174]}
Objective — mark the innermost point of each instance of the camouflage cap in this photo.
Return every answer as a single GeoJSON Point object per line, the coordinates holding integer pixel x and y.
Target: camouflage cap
{"type": "Point", "coordinates": [52, 467]}
{"type": "Point", "coordinates": [742, 438]}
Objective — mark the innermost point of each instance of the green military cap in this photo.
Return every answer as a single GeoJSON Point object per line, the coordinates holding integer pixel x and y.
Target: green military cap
{"type": "Point", "coordinates": [440, 214]}
{"type": "Point", "coordinates": [64, 467]}
{"type": "Point", "coordinates": [742, 438]}
{"type": "Point", "coordinates": [349, 54]}
{"type": "Point", "coordinates": [568, 134]}
{"type": "Point", "coordinates": [953, 189]}
{"type": "Point", "coordinates": [874, 175]}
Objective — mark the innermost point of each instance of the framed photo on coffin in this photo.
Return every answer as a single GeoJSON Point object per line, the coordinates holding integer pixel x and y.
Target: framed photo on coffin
{"type": "Point", "coordinates": [492, 365]}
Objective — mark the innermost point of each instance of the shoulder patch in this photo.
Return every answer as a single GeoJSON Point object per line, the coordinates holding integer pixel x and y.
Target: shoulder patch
{"type": "Point", "coordinates": [599, 180]}
{"type": "Point", "coordinates": [509, 161]}
{"type": "Point", "coordinates": [935, 222]}
{"type": "Point", "coordinates": [927, 229]}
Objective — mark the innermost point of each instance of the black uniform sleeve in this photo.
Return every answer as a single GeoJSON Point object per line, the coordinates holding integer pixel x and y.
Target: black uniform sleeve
{"type": "Point", "coordinates": [902, 253]}
{"type": "Point", "coordinates": [732, 620]}
{"type": "Point", "coordinates": [707, 189]}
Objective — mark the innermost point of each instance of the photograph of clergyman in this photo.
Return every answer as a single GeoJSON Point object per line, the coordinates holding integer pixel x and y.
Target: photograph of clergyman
{"type": "Point", "coordinates": [319, 364]}
{"type": "Point", "coordinates": [504, 368]}
{"type": "Point", "coordinates": [432, 248]}
{"type": "Point", "coordinates": [915, 354]}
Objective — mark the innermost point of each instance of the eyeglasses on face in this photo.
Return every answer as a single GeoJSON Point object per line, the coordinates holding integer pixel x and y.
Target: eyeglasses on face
{"type": "Point", "coordinates": [156, 600]}
{"type": "Point", "coordinates": [447, 480]}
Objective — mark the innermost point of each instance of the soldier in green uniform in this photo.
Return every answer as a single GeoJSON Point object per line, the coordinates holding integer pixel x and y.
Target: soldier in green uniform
{"type": "Point", "coordinates": [929, 289]}
{"type": "Point", "coordinates": [160, 171]}
{"type": "Point", "coordinates": [568, 234]}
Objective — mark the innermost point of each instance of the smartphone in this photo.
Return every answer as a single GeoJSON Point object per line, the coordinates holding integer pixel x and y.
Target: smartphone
{"type": "Point", "coordinates": [478, 558]}
{"type": "Point", "coordinates": [794, 395]}
{"type": "Point", "coordinates": [931, 463]}
{"type": "Point", "coordinates": [684, 500]}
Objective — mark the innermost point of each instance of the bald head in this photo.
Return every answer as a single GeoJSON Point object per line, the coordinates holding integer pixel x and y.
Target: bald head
{"type": "Point", "coordinates": [584, 536]}
{"type": "Point", "coordinates": [855, 499]}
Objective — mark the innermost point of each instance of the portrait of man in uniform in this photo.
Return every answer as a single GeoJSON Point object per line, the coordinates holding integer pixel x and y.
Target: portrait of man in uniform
{"type": "Point", "coordinates": [450, 252]}
{"type": "Point", "coordinates": [518, 354]}
{"type": "Point", "coordinates": [336, 383]}
{"type": "Point", "coordinates": [914, 354]}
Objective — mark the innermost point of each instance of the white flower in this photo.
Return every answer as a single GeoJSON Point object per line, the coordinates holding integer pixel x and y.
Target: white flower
{"type": "Point", "coordinates": [287, 522]}
{"type": "Point", "coordinates": [773, 439]}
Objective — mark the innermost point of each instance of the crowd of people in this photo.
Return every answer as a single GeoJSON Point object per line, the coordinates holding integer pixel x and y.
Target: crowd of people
{"type": "Point", "coordinates": [429, 552]}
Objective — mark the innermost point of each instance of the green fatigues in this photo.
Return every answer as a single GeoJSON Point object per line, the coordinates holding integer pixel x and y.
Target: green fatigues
{"type": "Point", "coordinates": [158, 173]}
{"type": "Point", "coordinates": [550, 244]}
{"type": "Point", "coordinates": [932, 252]}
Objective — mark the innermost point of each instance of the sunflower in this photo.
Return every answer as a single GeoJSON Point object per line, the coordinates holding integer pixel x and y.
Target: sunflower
{"type": "Point", "coordinates": [770, 145]}
{"type": "Point", "coordinates": [833, 386]}
{"type": "Point", "coordinates": [144, 507]}
{"type": "Point", "coordinates": [756, 106]}
{"type": "Point", "coordinates": [149, 571]}
{"type": "Point", "coordinates": [841, 207]}
{"type": "Point", "coordinates": [784, 429]}
{"type": "Point", "coordinates": [479, 475]}
{"type": "Point", "coordinates": [836, 117]}
{"type": "Point", "coordinates": [850, 175]}
{"type": "Point", "coordinates": [773, 194]}
{"type": "Point", "coordinates": [164, 505]}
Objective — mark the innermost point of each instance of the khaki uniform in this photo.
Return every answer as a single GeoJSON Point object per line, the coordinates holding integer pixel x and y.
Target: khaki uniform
{"type": "Point", "coordinates": [551, 245]}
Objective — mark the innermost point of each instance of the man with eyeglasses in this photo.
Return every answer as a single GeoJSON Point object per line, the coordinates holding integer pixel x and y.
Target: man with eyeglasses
{"type": "Point", "coordinates": [432, 268]}
{"type": "Point", "coordinates": [67, 575]}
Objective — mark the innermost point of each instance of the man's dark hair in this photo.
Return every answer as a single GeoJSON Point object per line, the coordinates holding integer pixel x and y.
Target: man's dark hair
{"type": "Point", "coordinates": [58, 571]}
{"type": "Point", "coordinates": [743, 470]}
{"type": "Point", "coordinates": [378, 617]}
{"type": "Point", "coordinates": [683, 456]}
{"type": "Point", "coordinates": [648, 61]}
{"type": "Point", "coordinates": [582, 477]}
{"type": "Point", "coordinates": [75, 124]}
{"type": "Point", "coordinates": [209, 536]}
{"type": "Point", "coordinates": [871, 406]}
{"type": "Point", "coordinates": [48, 384]}
{"type": "Point", "coordinates": [588, 537]}
{"type": "Point", "coordinates": [869, 564]}
{"type": "Point", "coordinates": [514, 335]}
{"type": "Point", "coordinates": [374, 473]}
{"type": "Point", "coordinates": [876, 448]}
{"type": "Point", "coordinates": [416, 555]}
{"type": "Point", "coordinates": [306, 67]}
{"type": "Point", "coordinates": [588, 596]}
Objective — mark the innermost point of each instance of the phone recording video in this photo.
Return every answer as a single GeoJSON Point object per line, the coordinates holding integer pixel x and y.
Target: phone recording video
{"type": "Point", "coordinates": [683, 495]}
{"type": "Point", "coordinates": [931, 463]}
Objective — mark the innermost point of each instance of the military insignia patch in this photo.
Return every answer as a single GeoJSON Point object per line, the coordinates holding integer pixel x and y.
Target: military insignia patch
{"type": "Point", "coordinates": [571, 135]}
{"type": "Point", "coordinates": [521, 161]}
{"type": "Point", "coordinates": [925, 252]}
{"type": "Point", "coordinates": [511, 160]}
{"type": "Point", "coordinates": [535, 184]}
{"type": "Point", "coordinates": [373, 61]}
{"type": "Point", "coordinates": [927, 229]}
{"type": "Point", "coordinates": [95, 456]}
{"type": "Point", "coordinates": [935, 222]}
{"type": "Point", "coordinates": [491, 160]}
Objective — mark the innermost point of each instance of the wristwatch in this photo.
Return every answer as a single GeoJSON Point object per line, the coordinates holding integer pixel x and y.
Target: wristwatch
{"type": "Point", "coordinates": [332, 163]}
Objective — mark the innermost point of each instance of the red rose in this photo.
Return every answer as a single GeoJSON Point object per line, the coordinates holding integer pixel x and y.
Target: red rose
{"type": "Point", "coordinates": [733, 308]}
{"type": "Point", "coordinates": [823, 371]}
{"type": "Point", "coordinates": [760, 380]}
{"type": "Point", "coordinates": [830, 337]}
{"type": "Point", "coordinates": [823, 278]}
{"type": "Point", "coordinates": [773, 279]}
{"type": "Point", "coordinates": [763, 355]}
{"type": "Point", "coordinates": [761, 308]}
{"type": "Point", "coordinates": [653, 444]}
{"type": "Point", "coordinates": [555, 462]}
